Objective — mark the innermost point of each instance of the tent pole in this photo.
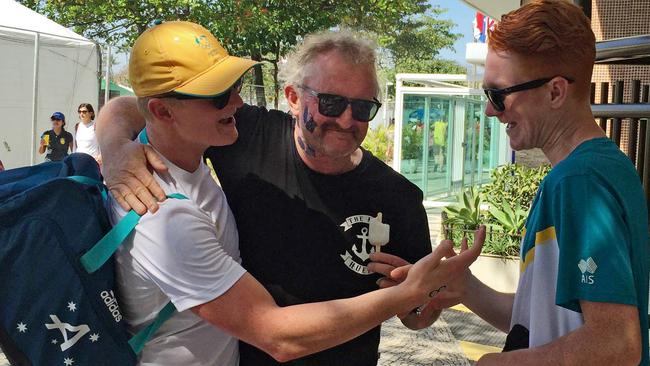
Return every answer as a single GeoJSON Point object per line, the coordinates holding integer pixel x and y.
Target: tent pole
{"type": "Point", "coordinates": [107, 78]}
{"type": "Point", "coordinates": [98, 75]}
{"type": "Point", "coordinates": [35, 98]}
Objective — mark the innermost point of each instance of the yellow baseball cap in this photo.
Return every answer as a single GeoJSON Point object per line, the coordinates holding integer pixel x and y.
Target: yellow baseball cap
{"type": "Point", "coordinates": [182, 57]}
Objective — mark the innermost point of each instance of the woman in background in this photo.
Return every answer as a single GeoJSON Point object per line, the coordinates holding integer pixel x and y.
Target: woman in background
{"type": "Point", "coordinates": [85, 138]}
{"type": "Point", "coordinates": [56, 141]}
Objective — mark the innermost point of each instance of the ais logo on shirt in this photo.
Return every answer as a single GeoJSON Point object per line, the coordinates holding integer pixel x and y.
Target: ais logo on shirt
{"type": "Point", "coordinates": [588, 268]}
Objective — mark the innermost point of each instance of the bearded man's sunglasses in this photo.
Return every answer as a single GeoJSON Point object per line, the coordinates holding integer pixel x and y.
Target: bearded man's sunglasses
{"type": "Point", "coordinates": [220, 101]}
{"type": "Point", "coordinates": [497, 96]}
{"type": "Point", "coordinates": [332, 105]}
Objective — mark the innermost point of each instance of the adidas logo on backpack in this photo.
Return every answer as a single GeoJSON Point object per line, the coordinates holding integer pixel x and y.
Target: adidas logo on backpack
{"type": "Point", "coordinates": [111, 304]}
{"type": "Point", "coordinates": [58, 304]}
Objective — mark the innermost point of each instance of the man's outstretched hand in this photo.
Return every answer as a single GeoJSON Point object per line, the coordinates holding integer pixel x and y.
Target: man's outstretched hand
{"type": "Point", "coordinates": [396, 270]}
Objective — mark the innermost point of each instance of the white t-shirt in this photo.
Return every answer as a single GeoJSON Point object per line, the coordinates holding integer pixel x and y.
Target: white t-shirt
{"type": "Point", "coordinates": [85, 139]}
{"type": "Point", "coordinates": [187, 252]}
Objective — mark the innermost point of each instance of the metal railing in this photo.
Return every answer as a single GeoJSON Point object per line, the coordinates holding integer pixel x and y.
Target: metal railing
{"type": "Point", "coordinates": [614, 115]}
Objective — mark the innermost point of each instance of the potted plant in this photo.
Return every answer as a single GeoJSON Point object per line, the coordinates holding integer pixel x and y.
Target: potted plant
{"type": "Point", "coordinates": [507, 200]}
{"type": "Point", "coordinates": [496, 266]}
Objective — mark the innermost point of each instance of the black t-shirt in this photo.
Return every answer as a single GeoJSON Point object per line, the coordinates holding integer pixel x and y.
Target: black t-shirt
{"type": "Point", "coordinates": [59, 145]}
{"type": "Point", "coordinates": [303, 234]}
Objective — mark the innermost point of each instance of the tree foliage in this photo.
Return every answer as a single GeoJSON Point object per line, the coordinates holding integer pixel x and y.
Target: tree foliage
{"type": "Point", "coordinates": [116, 22]}
{"type": "Point", "coordinates": [408, 31]}
{"type": "Point", "coordinates": [411, 41]}
{"type": "Point", "coordinates": [417, 46]}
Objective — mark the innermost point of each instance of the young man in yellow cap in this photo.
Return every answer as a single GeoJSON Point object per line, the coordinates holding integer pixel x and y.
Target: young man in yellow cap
{"type": "Point", "coordinates": [187, 252]}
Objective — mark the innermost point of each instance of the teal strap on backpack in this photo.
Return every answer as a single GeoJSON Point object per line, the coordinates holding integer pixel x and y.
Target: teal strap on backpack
{"type": "Point", "coordinates": [139, 340]}
{"type": "Point", "coordinates": [143, 138]}
{"type": "Point", "coordinates": [94, 258]}
{"type": "Point", "coordinates": [90, 182]}
{"type": "Point", "coordinates": [106, 246]}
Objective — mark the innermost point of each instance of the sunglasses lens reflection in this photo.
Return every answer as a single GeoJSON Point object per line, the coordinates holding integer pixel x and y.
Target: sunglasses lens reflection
{"type": "Point", "coordinates": [334, 105]}
{"type": "Point", "coordinates": [238, 84]}
{"type": "Point", "coordinates": [331, 105]}
{"type": "Point", "coordinates": [222, 100]}
{"type": "Point", "coordinates": [363, 110]}
{"type": "Point", "coordinates": [496, 99]}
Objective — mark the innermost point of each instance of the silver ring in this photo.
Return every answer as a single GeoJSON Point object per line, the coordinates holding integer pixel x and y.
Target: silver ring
{"type": "Point", "coordinates": [435, 292]}
{"type": "Point", "coordinates": [418, 310]}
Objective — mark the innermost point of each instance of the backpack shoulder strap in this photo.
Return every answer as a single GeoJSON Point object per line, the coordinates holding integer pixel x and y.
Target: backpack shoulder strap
{"type": "Point", "coordinates": [106, 247]}
{"type": "Point", "coordinates": [138, 341]}
{"type": "Point", "coordinates": [142, 137]}
{"type": "Point", "coordinates": [94, 258]}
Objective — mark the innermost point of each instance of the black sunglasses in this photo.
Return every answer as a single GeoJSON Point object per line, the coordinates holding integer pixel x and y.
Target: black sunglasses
{"type": "Point", "coordinates": [220, 101]}
{"type": "Point", "coordinates": [332, 105]}
{"type": "Point", "coordinates": [497, 96]}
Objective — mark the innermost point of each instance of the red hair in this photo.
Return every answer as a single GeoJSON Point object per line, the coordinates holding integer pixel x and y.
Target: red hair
{"type": "Point", "coordinates": [555, 36]}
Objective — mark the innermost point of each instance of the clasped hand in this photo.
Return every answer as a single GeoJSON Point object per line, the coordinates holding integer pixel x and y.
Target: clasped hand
{"type": "Point", "coordinates": [443, 267]}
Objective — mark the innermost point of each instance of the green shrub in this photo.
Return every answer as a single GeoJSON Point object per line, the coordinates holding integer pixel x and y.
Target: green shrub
{"type": "Point", "coordinates": [465, 214]}
{"type": "Point", "coordinates": [496, 242]}
{"type": "Point", "coordinates": [511, 220]}
{"type": "Point", "coordinates": [509, 196]}
{"type": "Point", "coordinates": [379, 141]}
{"type": "Point", "coordinates": [513, 183]}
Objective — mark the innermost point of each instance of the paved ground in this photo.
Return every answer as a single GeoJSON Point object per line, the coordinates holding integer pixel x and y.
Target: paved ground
{"type": "Point", "coordinates": [457, 339]}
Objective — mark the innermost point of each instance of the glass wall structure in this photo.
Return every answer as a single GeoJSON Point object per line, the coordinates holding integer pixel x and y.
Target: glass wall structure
{"type": "Point", "coordinates": [443, 138]}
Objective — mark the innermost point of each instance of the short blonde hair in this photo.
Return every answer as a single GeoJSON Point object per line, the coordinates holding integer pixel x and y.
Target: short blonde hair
{"type": "Point", "coordinates": [350, 46]}
{"type": "Point", "coordinates": [143, 106]}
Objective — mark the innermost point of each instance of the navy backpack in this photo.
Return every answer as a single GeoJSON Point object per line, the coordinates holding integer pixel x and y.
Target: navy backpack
{"type": "Point", "coordinates": [58, 304]}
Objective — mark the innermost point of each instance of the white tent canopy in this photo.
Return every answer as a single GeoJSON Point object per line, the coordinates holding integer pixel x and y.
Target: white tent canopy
{"type": "Point", "coordinates": [66, 74]}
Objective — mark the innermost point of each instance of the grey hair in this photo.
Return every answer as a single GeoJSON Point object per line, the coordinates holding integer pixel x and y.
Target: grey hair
{"type": "Point", "coordinates": [350, 46]}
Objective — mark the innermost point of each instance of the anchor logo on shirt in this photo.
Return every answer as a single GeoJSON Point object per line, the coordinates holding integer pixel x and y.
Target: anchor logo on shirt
{"type": "Point", "coordinates": [363, 253]}
{"type": "Point", "coordinates": [360, 251]}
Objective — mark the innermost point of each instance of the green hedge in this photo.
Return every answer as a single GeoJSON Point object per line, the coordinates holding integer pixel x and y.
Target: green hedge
{"type": "Point", "coordinates": [508, 196]}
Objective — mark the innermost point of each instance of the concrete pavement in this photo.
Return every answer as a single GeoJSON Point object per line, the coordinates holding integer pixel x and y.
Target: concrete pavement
{"type": "Point", "coordinates": [457, 338]}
